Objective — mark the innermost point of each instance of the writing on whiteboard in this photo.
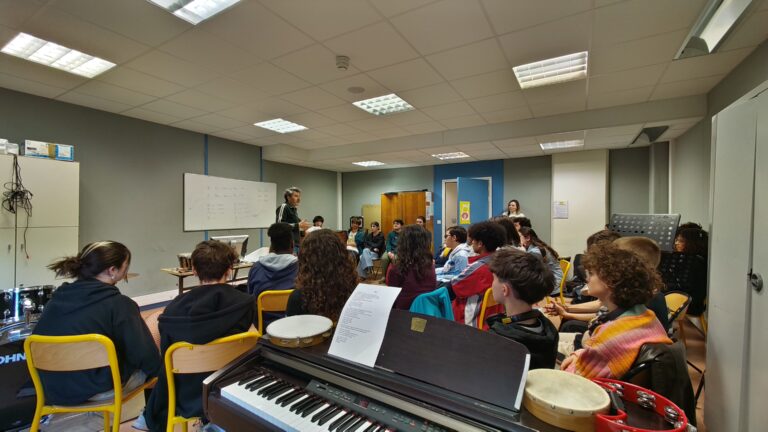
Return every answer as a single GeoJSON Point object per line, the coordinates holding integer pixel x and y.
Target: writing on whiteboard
{"type": "Point", "coordinates": [219, 203]}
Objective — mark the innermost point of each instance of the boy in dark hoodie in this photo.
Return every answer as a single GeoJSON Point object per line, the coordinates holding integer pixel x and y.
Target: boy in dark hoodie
{"type": "Point", "coordinates": [278, 269]}
{"type": "Point", "coordinates": [210, 311]}
{"type": "Point", "coordinates": [519, 281]}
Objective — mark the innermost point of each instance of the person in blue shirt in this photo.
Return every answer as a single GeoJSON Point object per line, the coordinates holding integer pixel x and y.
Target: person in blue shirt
{"type": "Point", "coordinates": [456, 240]}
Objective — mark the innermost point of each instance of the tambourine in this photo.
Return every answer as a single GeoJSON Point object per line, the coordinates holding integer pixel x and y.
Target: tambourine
{"type": "Point", "coordinates": [626, 392]}
{"type": "Point", "coordinates": [565, 400]}
{"type": "Point", "coordinates": [299, 331]}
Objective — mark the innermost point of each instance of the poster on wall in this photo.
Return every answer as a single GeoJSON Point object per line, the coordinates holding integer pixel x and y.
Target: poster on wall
{"type": "Point", "coordinates": [464, 214]}
{"type": "Point", "coordinates": [560, 209]}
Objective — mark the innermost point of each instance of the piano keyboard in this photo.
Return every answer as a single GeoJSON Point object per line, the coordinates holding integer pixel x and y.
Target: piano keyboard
{"type": "Point", "coordinates": [318, 407]}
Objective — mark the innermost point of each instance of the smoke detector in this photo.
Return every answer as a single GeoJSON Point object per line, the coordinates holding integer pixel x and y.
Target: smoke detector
{"type": "Point", "coordinates": [342, 62]}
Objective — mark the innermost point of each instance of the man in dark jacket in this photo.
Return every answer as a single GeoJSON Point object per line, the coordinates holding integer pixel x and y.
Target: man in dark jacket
{"type": "Point", "coordinates": [373, 246]}
{"type": "Point", "coordinates": [210, 311]}
{"type": "Point", "coordinates": [519, 281]}
{"type": "Point", "coordinates": [277, 270]}
{"type": "Point", "coordinates": [288, 213]}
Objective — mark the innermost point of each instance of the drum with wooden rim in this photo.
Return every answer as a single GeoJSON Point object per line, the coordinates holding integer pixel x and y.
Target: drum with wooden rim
{"type": "Point", "coordinates": [299, 330]}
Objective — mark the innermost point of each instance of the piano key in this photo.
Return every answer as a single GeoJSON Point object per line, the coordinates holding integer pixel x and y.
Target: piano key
{"type": "Point", "coordinates": [277, 390]}
{"type": "Point", "coordinates": [338, 424]}
{"type": "Point", "coordinates": [266, 410]}
{"type": "Point", "coordinates": [287, 395]}
{"type": "Point", "coordinates": [253, 385]}
{"type": "Point", "coordinates": [332, 418]}
{"type": "Point", "coordinates": [290, 399]}
{"type": "Point", "coordinates": [250, 376]}
{"type": "Point", "coordinates": [312, 408]}
{"type": "Point", "coordinates": [365, 426]}
{"type": "Point", "coordinates": [354, 425]}
{"type": "Point", "coordinates": [303, 404]}
{"type": "Point", "coordinates": [324, 412]}
{"type": "Point", "coordinates": [268, 386]}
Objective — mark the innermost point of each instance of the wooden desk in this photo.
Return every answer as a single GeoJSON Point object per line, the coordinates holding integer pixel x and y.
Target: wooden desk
{"type": "Point", "coordinates": [182, 273]}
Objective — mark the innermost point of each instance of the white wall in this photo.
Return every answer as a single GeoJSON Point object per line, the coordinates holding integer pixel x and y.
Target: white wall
{"type": "Point", "coordinates": [581, 178]}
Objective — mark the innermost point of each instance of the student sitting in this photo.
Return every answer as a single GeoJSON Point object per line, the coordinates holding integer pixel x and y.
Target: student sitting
{"type": "Point", "coordinates": [413, 270]}
{"type": "Point", "coordinates": [92, 304]}
{"type": "Point", "coordinates": [276, 270]}
{"type": "Point", "coordinates": [391, 246]}
{"type": "Point", "coordinates": [326, 277]}
{"type": "Point", "coordinates": [373, 246]}
{"type": "Point", "coordinates": [317, 223]}
{"type": "Point", "coordinates": [624, 284]}
{"type": "Point", "coordinates": [456, 240]}
{"type": "Point", "coordinates": [533, 244]}
{"type": "Point", "coordinates": [513, 237]}
{"type": "Point", "coordinates": [210, 311]}
{"type": "Point", "coordinates": [519, 281]}
{"type": "Point", "coordinates": [468, 288]}
{"type": "Point", "coordinates": [355, 238]}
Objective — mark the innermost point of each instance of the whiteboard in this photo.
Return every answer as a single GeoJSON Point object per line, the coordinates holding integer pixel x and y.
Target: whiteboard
{"type": "Point", "coordinates": [217, 203]}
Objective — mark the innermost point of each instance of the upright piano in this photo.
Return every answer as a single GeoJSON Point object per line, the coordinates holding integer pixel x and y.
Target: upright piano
{"type": "Point", "coordinates": [431, 375]}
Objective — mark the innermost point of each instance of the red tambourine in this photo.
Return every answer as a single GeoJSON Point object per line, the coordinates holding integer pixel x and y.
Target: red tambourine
{"type": "Point", "coordinates": [622, 391]}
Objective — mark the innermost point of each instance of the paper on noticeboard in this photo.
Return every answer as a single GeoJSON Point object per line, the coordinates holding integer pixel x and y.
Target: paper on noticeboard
{"type": "Point", "coordinates": [560, 209]}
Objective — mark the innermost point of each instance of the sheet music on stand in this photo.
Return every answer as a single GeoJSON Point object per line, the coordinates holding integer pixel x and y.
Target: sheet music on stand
{"type": "Point", "coordinates": [658, 227]}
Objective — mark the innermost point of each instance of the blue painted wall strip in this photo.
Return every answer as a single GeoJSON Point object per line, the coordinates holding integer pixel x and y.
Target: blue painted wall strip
{"type": "Point", "coordinates": [205, 169]}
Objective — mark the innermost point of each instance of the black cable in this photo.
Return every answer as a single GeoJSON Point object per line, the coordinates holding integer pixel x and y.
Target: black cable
{"type": "Point", "coordinates": [17, 197]}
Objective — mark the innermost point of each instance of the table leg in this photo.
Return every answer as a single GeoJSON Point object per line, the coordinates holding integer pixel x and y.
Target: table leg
{"type": "Point", "coordinates": [181, 285]}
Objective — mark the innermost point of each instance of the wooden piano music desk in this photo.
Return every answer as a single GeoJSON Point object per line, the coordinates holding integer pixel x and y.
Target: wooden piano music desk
{"type": "Point", "coordinates": [181, 274]}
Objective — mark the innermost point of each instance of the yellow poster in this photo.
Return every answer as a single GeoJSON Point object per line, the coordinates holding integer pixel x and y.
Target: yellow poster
{"type": "Point", "coordinates": [464, 215]}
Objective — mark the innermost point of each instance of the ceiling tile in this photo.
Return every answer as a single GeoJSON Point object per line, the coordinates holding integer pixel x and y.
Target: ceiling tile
{"type": "Point", "coordinates": [120, 16]}
{"type": "Point", "coordinates": [463, 121]}
{"type": "Point", "coordinates": [636, 19]}
{"type": "Point", "coordinates": [529, 152]}
{"type": "Point", "coordinates": [405, 76]}
{"type": "Point", "coordinates": [174, 109]}
{"type": "Point", "coordinates": [685, 88]}
{"type": "Point", "coordinates": [390, 8]}
{"type": "Point", "coordinates": [452, 23]}
{"type": "Point", "coordinates": [152, 116]}
{"type": "Point", "coordinates": [313, 98]}
{"type": "Point", "coordinates": [341, 88]}
{"type": "Point", "coordinates": [568, 91]}
{"type": "Point", "coordinates": [199, 100]}
{"type": "Point", "coordinates": [249, 22]}
{"type": "Point", "coordinates": [512, 144]}
{"type": "Point", "coordinates": [559, 107]}
{"type": "Point", "coordinates": [550, 40]}
{"type": "Point", "coordinates": [218, 122]}
{"type": "Point", "coordinates": [498, 102]}
{"type": "Point", "coordinates": [93, 102]}
{"type": "Point", "coordinates": [628, 79]}
{"type": "Point", "coordinates": [621, 97]}
{"type": "Point", "coordinates": [507, 115]}
{"type": "Point", "coordinates": [326, 19]}
{"type": "Point", "coordinates": [408, 118]}
{"type": "Point", "coordinates": [703, 66]}
{"type": "Point", "coordinates": [426, 127]}
{"type": "Point", "coordinates": [139, 81]}
{"type": "Point", "coordinates": [31, 87]}
{"type": "Point", "coordinates": [652, 50]}
{"type": "Point", "coordinates": [257, 132]}
{"type": "Point", "coordinates": [389, 133]}
{"type": "Point", "coordinates": [170, 68]}
{"type": "Point", "coordinates": [339, 130]}
{"type": "Point", "coordinates": [487, 84]}
{"type": "Point", "coordinates": [450, 110]}
{"type": "Point", "coordinates": [316, 64]}
{"type": "Point", "coordinates": [230, 135]}
{"type": "Point", "coordinates": [373, 47]}
{"type": "Point", "coordinates": [64, 29]}
{"type": "Point", "coordinates": [311, 120]}
{"type": "Point", "coordinates": [231, 90]}
{"type": "Point", "coordinates": [614, 131]}
{"type": "Point", "coordinates": [270, 79]}
{"type": "Point", "coordinates": [507, 16]}
{"type": "Point", "coordinates": [437, 94]}
{"type": "Point", "coordinates": [478, 146]}
{"type": "Point", "coordinates": [205, 49]}
{"type": "Point", "coordinates": [15, 13]}
{"type": "Point", "coordinates": [371, 124]}
{"type": "Point", "coordinates": [195, 126]}
{"type": "Point", "coordinates": [362, 137]}
{"type": "Point", "coordinates": [345, 113]}
{"type": "Point", "coordinates": [476, 58]}
{"type": "Point", "coordinates": [246, 113]}
{"type": "Point", "coordinates": [114, 93]}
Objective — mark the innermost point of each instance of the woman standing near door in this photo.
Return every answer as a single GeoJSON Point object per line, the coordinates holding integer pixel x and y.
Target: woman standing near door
{"type": "Point", "coordinates": [513, 209]}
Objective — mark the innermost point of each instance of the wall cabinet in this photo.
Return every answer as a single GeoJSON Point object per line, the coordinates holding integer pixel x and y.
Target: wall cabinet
{"type": "Point", "coordinates": [29, 244]}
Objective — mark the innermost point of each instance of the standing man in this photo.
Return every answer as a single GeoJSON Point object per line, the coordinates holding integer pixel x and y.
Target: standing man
{"type": "Point", "coordinates": [288, 213]}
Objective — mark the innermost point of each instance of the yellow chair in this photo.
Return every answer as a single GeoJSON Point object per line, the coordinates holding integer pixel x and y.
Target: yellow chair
{"type": "Point", "coordinates": [76, 353]}
{"type": "Point", "coordinates": [677, 305]}
{"type": "Point", "coordinates": [271, 301]}
{"type": "Point", "coordinates": [565, 266]}
{"type": "Point", "coordinates": [187, 358]}
{"type": "Point", "coordinates": [488, 301]}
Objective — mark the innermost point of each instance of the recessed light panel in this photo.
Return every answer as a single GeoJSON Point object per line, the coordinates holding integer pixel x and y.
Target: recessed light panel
{"type": "Point", "coordinates": [382, 105]}
{"type": "Point", "coordinates": [194, 11]}
{"type": "Point", "coordinates": [280, 125]}
{"type": "Point", "coordinates": [454, 155]}
{"type": "Point", "coordinates": [557, 145]}
{"type": "Point", "coordinates": [56, 56]}
{"type": "Point", "coordinates": [368, 163]}
{"type": "Point", "coordinates": [552, 71]}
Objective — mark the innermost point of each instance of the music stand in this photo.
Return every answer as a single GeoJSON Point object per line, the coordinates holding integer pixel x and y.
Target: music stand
{"type": "Point", "coordinates": [658, 227]}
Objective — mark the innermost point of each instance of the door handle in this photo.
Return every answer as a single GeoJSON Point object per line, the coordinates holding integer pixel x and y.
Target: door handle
{"type": "Point", "coordinates": [756, 280]}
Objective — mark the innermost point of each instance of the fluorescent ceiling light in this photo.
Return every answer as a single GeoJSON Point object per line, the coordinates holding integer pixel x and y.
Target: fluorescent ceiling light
{"type": "Point", "coordinates": [454, 155]}
{"type": "Point", "coordinates": [56, 56]}
{"type": "Point", "coordinates": [552, 71]}
{"type": "Point", "coordinates": [194, 11]}
{"type": "Point", "coordinates": [382, 105]}
{"type": "Point", "coordinates": [280, 125]}
{"type": "Point", "coordinates": [556, 145]}
{"type": "Point", "coordinates": [368, 163]}
{"type": "Point", "coordinates": [714, 23]}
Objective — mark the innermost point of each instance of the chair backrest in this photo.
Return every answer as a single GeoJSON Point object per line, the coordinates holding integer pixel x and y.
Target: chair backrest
{"type": "Point", "coordinates": [565, 266]}
{"type": "Point", "coordinates": [677, 304]}
{"type": "Point", "coordinates": [271, 301]}
{"type": "Point", "coordinates": [488, 301]}
{"type": "Point", "coordinates": [70, 353]}
{"type": "Point", "coordinates": [186, 358]}
{"type": "Point", "coordinates": [153, 325]}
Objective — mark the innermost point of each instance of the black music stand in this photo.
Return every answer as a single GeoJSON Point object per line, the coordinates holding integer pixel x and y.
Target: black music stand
{"type": "Point", "coordinates": [658, 227]}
